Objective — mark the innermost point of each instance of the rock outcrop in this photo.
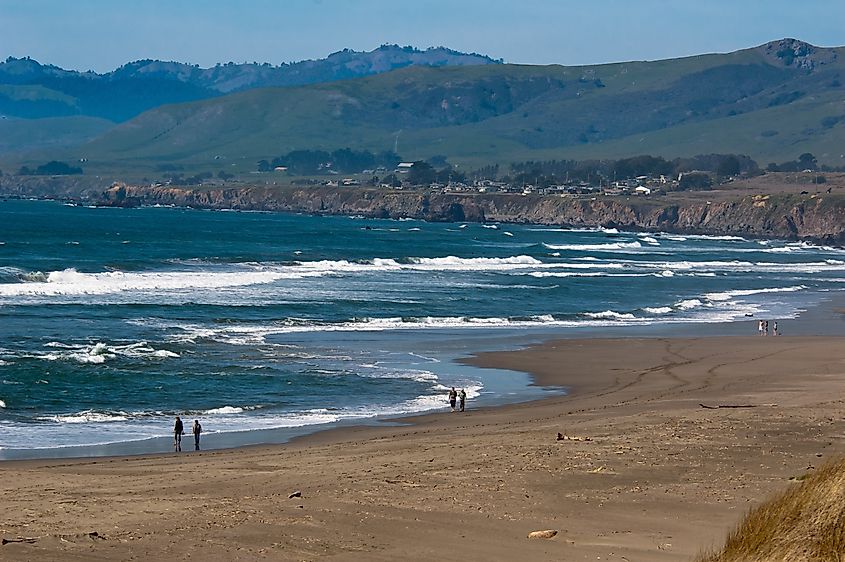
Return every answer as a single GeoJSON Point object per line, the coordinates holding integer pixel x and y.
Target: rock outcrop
{"type": "Point", "coordinates": [818, 217]}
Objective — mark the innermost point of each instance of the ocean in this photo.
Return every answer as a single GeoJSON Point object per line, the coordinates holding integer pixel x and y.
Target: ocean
{"type": "Point", "coordinates": [113, 321]}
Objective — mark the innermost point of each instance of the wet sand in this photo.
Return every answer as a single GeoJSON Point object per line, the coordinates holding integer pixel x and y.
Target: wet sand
{"type": "Point", "coordinates": [649, 474]}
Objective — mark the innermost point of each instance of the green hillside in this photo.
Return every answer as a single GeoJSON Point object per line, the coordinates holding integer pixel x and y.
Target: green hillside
{"type": "Point", "coordinates": [17, 135]}
{"type": "Point", "coordinates": [772, 102]}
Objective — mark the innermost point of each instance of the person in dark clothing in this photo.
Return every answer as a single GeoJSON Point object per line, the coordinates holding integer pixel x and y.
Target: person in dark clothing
{"type": "Point", "coordinates": [453, 397]}
{"type": "Point", "coordinates": [462, 396]}
{"type": "Point", "coordinates": [178, 430]}
{"type": "Point", "coordinates": [196, 430]}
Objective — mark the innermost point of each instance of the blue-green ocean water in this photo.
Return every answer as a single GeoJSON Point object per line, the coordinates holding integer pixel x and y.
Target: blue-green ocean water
{"type": "Point", "coordinates": [112, 321]}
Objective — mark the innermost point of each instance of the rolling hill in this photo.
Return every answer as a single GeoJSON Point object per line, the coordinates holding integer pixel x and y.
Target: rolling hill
{"type": "Point", "coordinates": [43, 106]}
{"type": "Point", "coordinates": [772, 102]}
{"type": "Point", "coordinates": [29, 89]}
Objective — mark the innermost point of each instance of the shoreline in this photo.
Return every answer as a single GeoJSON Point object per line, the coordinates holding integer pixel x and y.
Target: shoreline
{"type": "Point", "coordinates": [646, 474]}
{"type": "Point", "coordinates": [825, 318]}
{"type": "Point", "coordinates": [689, 215]}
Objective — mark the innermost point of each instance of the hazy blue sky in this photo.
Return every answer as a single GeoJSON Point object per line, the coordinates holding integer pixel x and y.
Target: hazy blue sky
{"type": "Point", "coordinates": [102, 34]}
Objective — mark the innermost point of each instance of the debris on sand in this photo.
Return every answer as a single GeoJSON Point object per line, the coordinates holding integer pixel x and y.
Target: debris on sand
{"type": "Point", "coordinates": [547, 534]}
{"type": "Point", "coordinates": [20, 539]}
{"type": "Point", "coordinates": [562, 437]}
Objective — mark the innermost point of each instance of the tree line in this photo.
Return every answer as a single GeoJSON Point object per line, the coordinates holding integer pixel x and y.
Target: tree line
{"type": "Point", "coordinates": [319, 162]}
{"type": "Point", "coordinates": [51, 168]}
{"type": "Point", "coordinates": [605, 171]}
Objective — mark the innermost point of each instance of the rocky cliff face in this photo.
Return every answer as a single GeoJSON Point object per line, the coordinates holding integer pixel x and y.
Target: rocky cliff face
{"type": "Point", "coordinates": [819, 218]}
{"type": "Point", "coordinates": [811, 217]}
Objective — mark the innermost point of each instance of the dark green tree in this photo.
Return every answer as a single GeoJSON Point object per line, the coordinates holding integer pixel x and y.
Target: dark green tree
{"type": "Point", "coordinates": [422, 173]}
{"type": "Point", "coordinates": [728, 166]}
{"type": "Point", "coordinates": [694, 180]}
{"type": "Point", "coordinates": [807, 161]}
{"type": "Point", "coordinates": [392, 181]}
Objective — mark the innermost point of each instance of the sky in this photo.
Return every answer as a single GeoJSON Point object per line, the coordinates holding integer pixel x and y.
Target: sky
{"type": "Point", "coordinates": [101, 35]}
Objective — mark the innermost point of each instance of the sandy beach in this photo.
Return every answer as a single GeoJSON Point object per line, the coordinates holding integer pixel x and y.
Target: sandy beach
{"type": "Point", "coordinates": [668, 443]}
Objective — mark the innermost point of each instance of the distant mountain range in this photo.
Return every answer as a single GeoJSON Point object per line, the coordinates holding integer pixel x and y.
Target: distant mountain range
{"type": "Point", "coordinates": [772, 102]}
{"type": "Point", "coordinates": [29, 89]}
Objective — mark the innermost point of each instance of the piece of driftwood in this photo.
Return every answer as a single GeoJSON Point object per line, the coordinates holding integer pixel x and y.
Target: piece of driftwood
{"type": "Point", "coordinates": [20, 539]}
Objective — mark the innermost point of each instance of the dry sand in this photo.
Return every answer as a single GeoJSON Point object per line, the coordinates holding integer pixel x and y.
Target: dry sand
{"type": "Point", "coordinates": [660, 478]}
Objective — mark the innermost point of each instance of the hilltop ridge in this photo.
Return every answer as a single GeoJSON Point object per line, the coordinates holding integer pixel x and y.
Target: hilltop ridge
{"type": "Point", "coordinates": [772, 102]}
{"type": "Point", "coordinates": [29, 89]}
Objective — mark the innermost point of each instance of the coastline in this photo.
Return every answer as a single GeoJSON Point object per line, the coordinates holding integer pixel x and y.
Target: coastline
{"type": "Point", "coordinates": [753, 208]}
{"type": "Point", "coordinates": [488, 354]}
{"type": "Point", "coordinates": [660, 477]}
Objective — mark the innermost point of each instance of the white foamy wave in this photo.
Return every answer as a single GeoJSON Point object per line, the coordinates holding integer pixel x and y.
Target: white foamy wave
{"type": "Point", "coordinates": [474, 264]}
{"type": "Point", "coordinates": [610, 314]}
{"type": "Point", "coordinates": [658, 309]}
{"type": "Point", "coordinates": [380, 372]}
{"type": "Point", "coordinates": [611, 247]}
{"type": "Point", "coordinates": [688, 304]}
{"type": "Point", "coordinates": [685, 237]}
{"type": "Point", "coordinates": [734, 266]}
{"type": "Point", "coordinates": [100, 352]}
{"type": "Point", "coordinates": [544, 274]}
{"type": "Point", "coordinates": [73, 282]}
{"type": "Point", "coordinates": [256, 334]}
{"type": "Point", "coordinates": [224, 410]}
{"type": "Point", "coordinates": [86, 416]}
{"type": "Point", "coordinates": [728, 295]}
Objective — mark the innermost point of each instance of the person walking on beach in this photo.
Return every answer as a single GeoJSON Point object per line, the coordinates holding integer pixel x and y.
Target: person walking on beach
{"type": "Point", "coordinates": [196, 430]}
{"type": "Point", "coordinates": [178, 430]}
{"type": "Point", "coordinates": [775, 328]}
{"type": "Point", "coordinates": [462, 395]}
{"type": "Point", "coordinates": [766, 328]}
{"type": "Point", "coordinates": [453, 397]}
{"type": "Point", "coordinates": [760, 327]}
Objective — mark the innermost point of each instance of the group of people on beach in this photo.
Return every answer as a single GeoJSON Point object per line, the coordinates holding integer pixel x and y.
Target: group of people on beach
{"type": "Point", "coordinates": [179, 431]}
{"type": "Point", "coordinates": [763, 327]}
{"type": "Point", "coordinates": [454, 396]}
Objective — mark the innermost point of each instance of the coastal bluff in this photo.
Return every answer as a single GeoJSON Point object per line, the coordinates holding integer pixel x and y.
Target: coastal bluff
{"type": "Point", "coordinates": [791, 212]}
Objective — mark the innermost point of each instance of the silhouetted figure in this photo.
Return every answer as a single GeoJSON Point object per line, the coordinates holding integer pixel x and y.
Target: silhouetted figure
{"type": "Point", "coordinates": [178, 430]}
{"type": "Point", "coordinates": [453, 397]}
{"type": "Point", "coordinates": [196, 430]}
{"type": "Point", "coordinates": [462, 396]}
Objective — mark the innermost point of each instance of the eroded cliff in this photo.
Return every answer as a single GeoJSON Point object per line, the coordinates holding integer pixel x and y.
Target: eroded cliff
{"type": "Point", "coordinates": [793, 215]}
{"type": "Point", "coordinates": [816, 217]}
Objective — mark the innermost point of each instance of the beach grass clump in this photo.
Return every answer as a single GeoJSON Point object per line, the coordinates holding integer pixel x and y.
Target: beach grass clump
{"type": "Point", "coordinates": [806, 523]}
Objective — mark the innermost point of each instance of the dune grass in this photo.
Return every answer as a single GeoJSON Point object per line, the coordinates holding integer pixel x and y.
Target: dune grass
{"type": "Point", "coordinates": [806, 523]}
